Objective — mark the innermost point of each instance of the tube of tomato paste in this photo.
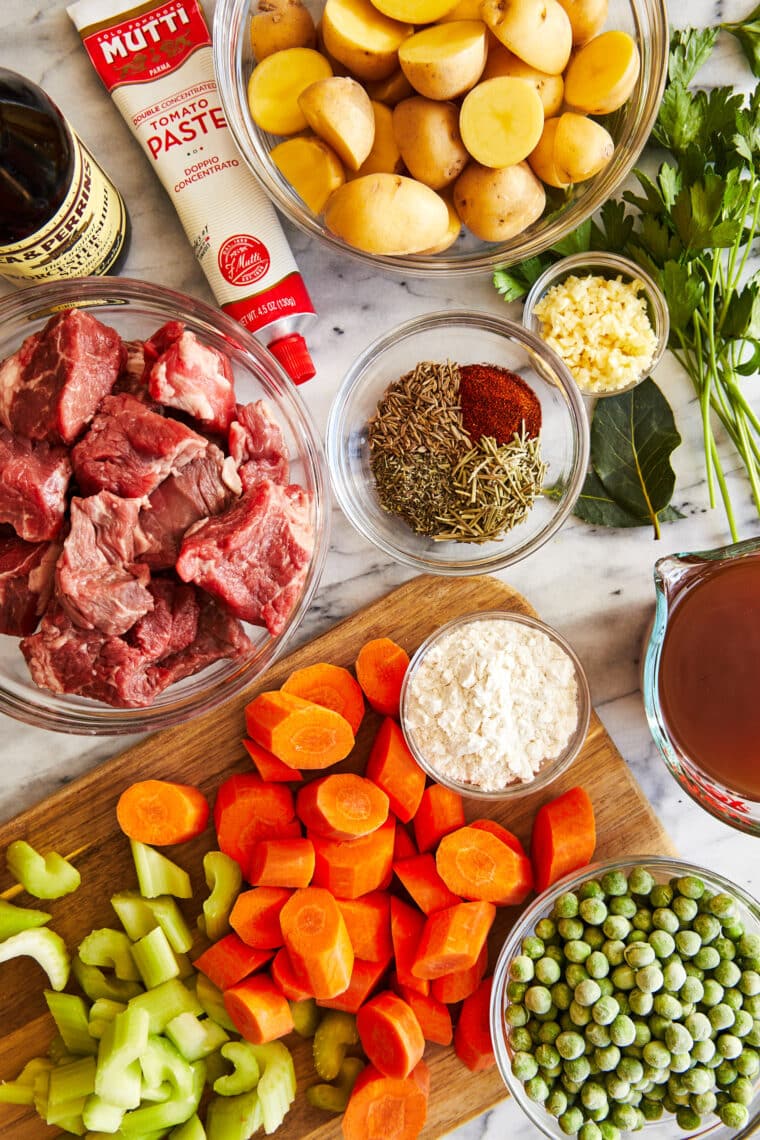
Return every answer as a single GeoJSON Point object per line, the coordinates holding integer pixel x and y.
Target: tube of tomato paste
{"type": "Point", "coordinates": [155, 60]}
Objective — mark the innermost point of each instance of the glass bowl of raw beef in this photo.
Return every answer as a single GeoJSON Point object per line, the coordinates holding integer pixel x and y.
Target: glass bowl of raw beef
{"type": "Point", "coordinates": [163, 520]}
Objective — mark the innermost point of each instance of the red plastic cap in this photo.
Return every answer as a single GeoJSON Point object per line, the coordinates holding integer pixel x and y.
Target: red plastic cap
{"type": "Point", "coordinates": [293, 354]}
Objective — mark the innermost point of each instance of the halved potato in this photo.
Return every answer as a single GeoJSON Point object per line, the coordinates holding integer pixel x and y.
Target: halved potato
{"type": "Point", "coordinates": [277, 82]}
{"type": "Point", "coordinates": [582, 147]}
{"type": "Point", "coordinates": [501, 121]}
{"type": "Point", "coordinates": [391, 90]}
{"type": "Point", "coordinates": [311, 167]}
{"type": "Point", "coordinates": [280, 24]}
{"type": "Point", "coordinates": [385, 156]}
{"type": "Point", "coordinates": [387, 214]}
{"type": "Point", "coordinates": [587, 18]}
{"type": "Point", "coordinates": [498, 204]}
{"type": "Point", "coordinates": [455, 226]}
{"type": "Point", "coordinates": [339, 110]}
{"type": "Point", "coordinates": [427, 133]}
{"type": "Point", "coordinates": [602, 74]}
{"type": "Point", "coordinates": [463, 10]}
{"type": "Point", "coordinates": [362, 38]}
{"type": "Point", "coordinates": [444, 61]}
{"type": "Point", "coordinates": [538, 31]}
{"type": "Point", "coordinates": [502, 62]}
{"type": "Point", "coordinates": [414, 11]}
{"type": "Point", "coordinates": [541, 158]}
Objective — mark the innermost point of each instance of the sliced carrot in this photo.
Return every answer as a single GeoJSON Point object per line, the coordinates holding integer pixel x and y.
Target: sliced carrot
{"type": "Point", "coordinates": [229, 961]}
{"type": "Point", "coordinates": [390, 1034]}
{"type": "Point", "coordinates": [394, 769]}
{"type": "Point", "coordinates": [460, 984]}
{"type": "Point", "coordinates": [268, 766]}
{"type": "Point", "coordinates": [404, 846]}
{"type": "Point", "coordinates": [564, 837]}
{"type": "Point", "coordinates": [380, 669]}
{"type": "Point", "coordinates": [248, 809]}
{"type": "Point", "coordinates": [407, 925]}
{"type": "Point", "coordinates": [350, 868]}
{"type": "Point", "coordinates": [441, 810]}
{"type": "Point", "coordinates": [291, 984]}
{"type": "Point", "coordinates": [282, 863]}
{"type": "Point", "coordinates": [383, 1108]}
{"type": "Point", "coordinates": [452, 939]}
{"type": "Point", "coordinates": [342, 806]}
{"type": "Point", "coordinates": [258, 1009]}
{"type": "Point", "coordinates": [433, 1016]}
{"type": "Point", "coordinates": [160, 812]}
{"type": "Point", "coordinates": [255, 916]}
{"type": "Point", "coordinates": [424, 884]}
{"type": "Point", "coordinates": [365, 977]}
{"type": "Point", "coordinates": [331, 686]}
{"type": "Point", "coordinates": [317, 941]}
{"type": "Point", "coordinates": [494, 828]}
{"type": "Point", "coordinates": [300, 733]}
{"type": "Point", "coordinates": [476, 865]}
{"type": "Point", "coordinates": [368, 921]}
{"type": "Point", "coordinates": [472, 1037]}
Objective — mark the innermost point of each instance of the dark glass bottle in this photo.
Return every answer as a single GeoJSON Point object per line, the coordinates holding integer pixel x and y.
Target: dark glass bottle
{"type": "Point", "coordinates": [60, 214]}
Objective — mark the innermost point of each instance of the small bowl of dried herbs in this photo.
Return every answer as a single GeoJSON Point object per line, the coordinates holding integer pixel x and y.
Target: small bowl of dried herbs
{"type": "Point", "coordinates": [458, 443]}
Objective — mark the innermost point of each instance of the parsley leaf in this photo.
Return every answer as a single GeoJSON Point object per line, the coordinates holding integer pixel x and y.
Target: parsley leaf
{"type": "Point", "coordinates": [690, 48]}
{"type": "Point", "coordinates": [514, 281]}
{"type": "Point", "coordinates": [747, 32]}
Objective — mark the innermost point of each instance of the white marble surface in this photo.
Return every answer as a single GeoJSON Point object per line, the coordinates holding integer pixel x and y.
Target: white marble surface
{"type": "Point", "coordinates": [595, 586]}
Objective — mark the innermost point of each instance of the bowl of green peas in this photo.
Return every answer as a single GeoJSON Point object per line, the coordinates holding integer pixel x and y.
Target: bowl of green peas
{"type": "Point", "coordinates": [627, 997]}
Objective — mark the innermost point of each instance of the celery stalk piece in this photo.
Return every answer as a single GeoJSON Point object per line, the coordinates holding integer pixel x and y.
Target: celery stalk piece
{"type": "Point", "coordinates": [306, 1016]}
{"type": "Point", "coordinates": [74, 1125]}
{"type": "Point", "coordinates": [46, 947]}
{"type": "Point", "coordinates": [21, 1091]}
{"type": "Point", "coordinates": [171, 920]}
{"type": "Point", "coordinates": [161, 1062]}
{"type": "Point", "coordinates": [192, 1129]}
{"type": "Point", "coordinates": [44, 876]}
{"type": "Point", "coordinates": [216, 1067]}
{"type": "Point", "coordinates": [334, 1098]}
{"type": "Point", "coordinates": [133, 913]}
{"type": "Point", "coordinates": [335, 1032]}
{"type": "Point", "coordinates": [118, 1079]}
{"type": "Point", "coordinates": [100, 1116]}
{"type": "Point", "coordinates": [233, 1117]}
{"type": "Point", "coordinates": [165, 1002]}
{"type": "Point", "coordinates": [102, 1013]}
{"type": "Point", "coordinates": [277, 1086]}
{"type": "Point", "coordinates": [14, 919]}
{"type": "Point", "coordinates": [168, 1113]}
{"type": "Point", "coordinates": [245, 1074]}
{"type": "Point", "coordinates": [185, 967]}
{"type": "Point", "coordinates": [40, 1091]}
{"type": "Point", "coordinates": [70, 1014]}
{"type": "Point", "coordinates": [194, 1038]}
{"type": "Point", "coordinates": [96, 984]}
{"type": "Point", "coordinates": [157, 875]}
{"type": "Point", "coordinates": [212, 1002]}
{"type": "Point", "coordinates": [58, 1051]}
{"type": "Point", "coordinates": [69, 1087]}
{"type": "Point", "coordinates": [155, 958]}
{"type": "Point", "coordinates": [111, 949]}
{"type": "Point", "coordinates": [224, 880]}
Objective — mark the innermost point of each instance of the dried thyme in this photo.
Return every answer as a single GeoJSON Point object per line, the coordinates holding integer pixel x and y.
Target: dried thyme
{"type": "Point", "coordinates": [416, 487]}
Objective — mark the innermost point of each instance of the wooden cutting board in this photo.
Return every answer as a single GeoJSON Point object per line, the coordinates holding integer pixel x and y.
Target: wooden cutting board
{"type": "Point", "coordinates": [80, 819]}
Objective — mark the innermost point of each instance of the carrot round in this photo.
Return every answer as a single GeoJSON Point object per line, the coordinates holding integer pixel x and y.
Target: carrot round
{"type": "Point", "coordinates": [292, 985]}
{"type": "Point", "coordinates": [331, 686]}
{"type": "Point", "coordinates": [248, 809]}
{"type": "Point", "coordinates": [255, 916]}
{"type": "Point", "coordinates": [230, 960]}
{"type": "Point", "coordinates": [564, 837]}
{"type": "Point", "coordinates": [476, 865]}
{"type": "Point", "coordinates": [258, 1009]}
{"type": "Point", "coordinates": [494, 828]}
{"type": "Point", "coordinates": [384, 1108]}
{"type": "Point", "coordinates": [282, 863]}
{"type": "Point", "coordinates": [300, 733]}
{"type": "Point", "coordinates": [432, 1014]}
{"type": "Point", "coordinates": [368, 921]}
{"type": "Point", "coordinates": [317, 941]}
{"type": "Point", "coordinates": [404, 846]}
{"type": "Point", "coordinates": [365, 976]}
{"type": "Point", "coordinates": [380, 669]}
{"type": "Point", "coordinates": [393, 768]}
{"type": "Point", "coordinates": [441, 810]}
{"type": "Point", "coordinates": [160, 812]}
{"type": "Point", "coordinates": [390, 1034]}
{"type": "Point", "coordinates": [407, 925]}
{"type": "Point", "coordinates": [342, 806]}
{"type": "Point", "coordinates": [452, 939]}
{"type": "Point", "coordinates": [458, 985]}
{"type": "Point", "coordinates": [472, 1037]}
{"type": "Point", "coordinates": [268, 766]}
{"type": "Point", "coordinates": [349, 868]}
{"type": "Point", "coordinates": [424, 884]}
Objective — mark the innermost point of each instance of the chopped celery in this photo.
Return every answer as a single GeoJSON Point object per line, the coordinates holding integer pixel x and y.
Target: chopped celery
{"type": "Point", "coordinates": [155, 958]}
{"type": "Point", "coordinates": [96, 984]}
{"type": "Point", "coordinates": [111, 949]}
{"type": "Point", "coordinates": [44, 876]}
{"type": "Point", "coordinates": [233, 1117]}
{"type": "Point", "coordinates": [176, 1110]}
{"type": "Point", "coordinates": [40, 1087]}
{"type": "Point", "coordinates": [194, 1038]}
{"type": "Point", "coordinates": [68, 1089]}
{"type": "Point", "coordinates": [74, 1125]}
{"type": "Point", "coordinates": [185, 967]}
{"type": "Point", "coordinates": [14, 919]}
{"type": "Point", "coordinates": [192, 1129]}
{"type": "Point", "coordinates": [245, 1074]}
{"type": "Point", "coordinates": [100, 1116]}
{"type": "Point", "coordinates": [118, 1079]}
{"type": "Point", "coordinates": [70, 1014]}
{"type": "Point", "coordinates": [102, 1013]}
{"type": "Point", "coordinates": [224, 880]}
{"type": "Point", "coordinates": [133, 913]}
{"type": "Point", "coordinates": [21, 1091]}
{"type": "Point", "coordinates": [162, 1063]}
{"type": "Point", "coordinates": [46, 947]}
{"type": "Point", "coordinates": [334, 1098]}
{"type": "Point", "coordinates": [335, 1032]}
{"type": "Point", "coordinates": [58, 1051]}
{"type": "Point", "coordinates": [306, 1016]}
{"type": "Point", "coordinates": [163, 1003]}
{"type": "Point", "coordinates": [171, 920]}
{"type": "Point", "coordinates": [212, 1001]}
{"type": "Point", "coordinates": [139, 915]}
{"type": "Point", "coordinates": [157, 875]}
{"type": "Point", "coordinates": [277, 1086]}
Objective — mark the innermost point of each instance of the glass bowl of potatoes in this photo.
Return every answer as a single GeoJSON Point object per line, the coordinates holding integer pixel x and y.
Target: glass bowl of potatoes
{"type": "Point", "coordinates": [440, 134]}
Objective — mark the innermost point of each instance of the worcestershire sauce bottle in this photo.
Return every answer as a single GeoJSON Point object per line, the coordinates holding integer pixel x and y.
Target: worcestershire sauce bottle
{"type": "Point", "coordinates": [60, 214]}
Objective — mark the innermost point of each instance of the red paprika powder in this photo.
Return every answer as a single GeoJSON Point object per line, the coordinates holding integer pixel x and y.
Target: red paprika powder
{"type": "Point", "coordinates": [497, 402]}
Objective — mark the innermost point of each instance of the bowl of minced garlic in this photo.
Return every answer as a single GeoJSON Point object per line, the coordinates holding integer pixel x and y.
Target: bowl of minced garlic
{"type": "Point", "coordinates": [604, 317]}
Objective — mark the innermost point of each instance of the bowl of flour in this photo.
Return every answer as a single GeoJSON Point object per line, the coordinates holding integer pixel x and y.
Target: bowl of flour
{"type": "Point", "coordinates": [495, 704]}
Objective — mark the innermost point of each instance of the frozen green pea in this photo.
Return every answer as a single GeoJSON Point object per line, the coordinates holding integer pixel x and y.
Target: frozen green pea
{"type": "Point", "coordinates": [623, 977]}
{"type": "Point", "coordinates": [614, 883]}
{"type": "Point", "coordinates": [691, 991]}
{"type": "Point", "coordinates": [733, 1114]}
{"type": "Point", "coordinates": [536, 1089]}
{"type": "Point", "coordinates": [547, 971]}
{"type": "Point", "coordinates": [566, 906]}
{"type": "Point", "coordinates": [703, 1103]}
{"type": "Point", "coordinates": [698, 1080]}
{"type": "Point", "coordinates": [555, 953]}
{"type": "Point", "coordinates": [687, 1119]}
{"type": "Point", "coordinates": [748, 1063]}
{"type": "Point", "coordinates": [562, 995]}
{"type": "Point", "coordinates": [743, 1091]}
{"type": "Point", "coordinates": [591, 889]}
{"type": "Point", "coordinates": [546, 929]}
{"type": "Point", "coordinates": [570, 929]}
{"type": "Point", "coordinates": [636, 936]}
{"type": "Point", "coordinates": [533, 947]}
{"type": "Point", "coordinates": [534, 1028]}
{"type": "Point", "coordinates": [580, 1015]}
{"type": "Point", "coordinates": [707, 958]}
{"type": "Point", "coordinates": [703, 1051]}
{"type": "Point", "coordinates": [722, 906]}
{"type": "Point", "coordinates": [577, 951]}
{"type": "Point", "coordinates": [605, 1010]}
{"type": "Point", "coordinates": [685, 910]}
{"type": "Point", "coordinates": [713, 993]}
{"type": "Point", "coordinates": [614, 951]}
{"type": "Point", "coordinates": [571, 1122]}
{"type": "Point", "coordinates": [630, 1069]}
{"type": "Point", "coordinates": [593, 1095]}
{"type": "Point", "coordinates": [728, 1045]}
{"type": "Point", "coordinates": [587, 992]}
{"type": "Point", "coordinates": [650, 979]}
{"type": "Point", "coordinates": [538, 999]}
{"type": "Point", "coordinates": [658, 1025]}
{"type": "Point", "coordinates": [725, 947]}
{"type": "Point", "coordinates": [577, 1070]}
{"type": "Point", "coordinates": [521, 968]}
{"type": "Point", "coordinates": [678, 1039]}
{"type": "Point", "coordinates": [642, 920]}
{"type": "Point", "coordinates": [641, 1003]}
{"type": "Point", "coordinates": [734, 999]}
{"type": "Point", "coordinates": [667, 1006]}
{"type": "Point", "coordinates": [707, 927]}
{"type": "Point", "coordinates": [597, 965]}
{"type": "Point", "coordinates": [663, 943]}
{"type": "Point", "coordinates": [516, 990]}
{"type": "Point", "coordinates": [652, 1110]}
{"type": "Point", "coordinates": [606, 986]}
{"type": "Point", "coordinates": [616, 926]}
{"type": "Point", "coordinates": [690, 886]}
{"type": "Point", "coordinates": [549, 1032]}
{"type": "Point", "coordinates": [598, 1035]}
{"type": "Point", "coordinates": [524, 1066]}
{"type": "Point", "coordinates": [664, 918]}
{"type": "Point", "coordinates": [556, 1102]}
{"type": "Point", "coordinates": [622, 1031]}
{"type": "Point", "coordinates": [656, 1055]}
{"type": "Point", "coordinates": [594, 936]}
{"type": "Point", "coordinates": [623, 905]}
{"type": "Point", "coordinates": [593, 911]}
{"type": "Point", "coordinates": [673, 976]}
{"type": "Point", "coordinates": [548, 1015]}
{"type": "Point", "coordinates": [749, 983]}
{"type": "Point", "coordinates": [725, 1073]}
{"type": "Point", "coordinates": [516, 1015]}
{"type": "Point", "coordinates": [721, 1016]}
{"type": "Point", "coordinates": [607, 1058]}
{"type": "Point", "coordinates": [698, 1025]}
{"type": "Point", "coordinates": [547, 1056]}
{"type": "Point", "coordinates": [590, 1131]}
{"type": "Point", "coordinates": [749, 946]}
{"type": "Point", "coordinates": [622, 1000]}
{"type": "Point", "coordinates": [669, 1105]}
{"type": "Point", "coordinates": [575, 973]}
{"type": "Point", "coordinates": [752, 1005]}
{"type": "Point", "coordinates": [520, 1040]}
{"type": "Point", "coordinates": [643, 1034]}
{"type": "Point", "coordinates": [624, 1116]}
{"type": "Point", "coordinates": [640, 881]}
{"type": "Point", "coordinates": [570, 1046]}
{"type": "Point", "coordinates": [661, 895]}
{"type": "Point", "coordinates": [639, 954]}
{"type": "Point", "coordinates": [609, 1130]}
{"type": "Point", "coordinates": [733, 929]}
{"type": "Point", "coordinates": [727, 973]}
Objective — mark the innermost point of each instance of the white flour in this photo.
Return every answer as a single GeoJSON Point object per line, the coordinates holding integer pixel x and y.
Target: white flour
{"type": "Point", "coordinates": [492, 702]}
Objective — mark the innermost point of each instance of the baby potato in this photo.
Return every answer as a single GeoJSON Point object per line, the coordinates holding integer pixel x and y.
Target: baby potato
{"type": "Point", "coordinates": [501, 61]}
{"type": "Point", "coordinates": [387, 214]}
{"type": "Point", "coordinates": [446, 60]}
{"type": "Point", "coordinates": [362, 38]}
{"type": "Point", "coordinates": [498, 204]}
{"type": "Point", "coordinates": [587, 18]}
{"type": "Point", "coordinates": [391, 90]}
{"type": "Point", "coordinates": [455, 226]}
{"type": "Point", "coordinates": [280, 24]}
{"type": "Point", "coordinates": [538, 31]}
{"type": "Point", "coordinates": [385, 156]}
{"type": "Point", "coordinates": [339, 110]}
{"type": "Point", "coordinates": [463, 10]}
{"type": "Point", "coordinates": [501, 121]}
{"type": "Point", "coordinates": [427, 133]}
{"type": "Point", "coordinates": [414, 11]}
{"type": "Point", "coordinates": [311, 167]}
{"type": "Point", "coordinates": [602, 74]}
{"type": "Point", "coordinates": [582, 147]}
{"type": "Point", "coordinates": [277, 82]}
{"type": "Point", "coordinates": [541, 158]}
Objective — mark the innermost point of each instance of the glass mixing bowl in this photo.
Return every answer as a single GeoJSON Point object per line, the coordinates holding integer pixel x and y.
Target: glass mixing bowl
{"type": "Point", "coordinates": [136, 309]}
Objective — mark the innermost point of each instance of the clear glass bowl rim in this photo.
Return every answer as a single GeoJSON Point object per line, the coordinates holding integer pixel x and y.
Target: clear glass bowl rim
{"type": "Point", "coordinates": [471, 319]}
{"type": "Point", "coordinates": [666, 866]}
{"type": "Point", "coordinates": [557, 766]}
{"type": "Point", "coordinates": [39, 302]}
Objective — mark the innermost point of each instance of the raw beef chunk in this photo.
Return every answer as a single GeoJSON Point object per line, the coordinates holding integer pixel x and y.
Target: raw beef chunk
{"type": "Point", "coordinates": [219, 635]}
{"type": "Point", "coordinates": [256, 444]}
{"type": "Point", "coordinates": [98, 583]}
{"type": "Point", "coordinates": [51, 387]}
{"type": "Point", "coordinates": [172, 624]}
{"type": "Point", "coordinates": [255, 555]}
{"type": "Point", "coordinates": [191, 376]}
{"type": "Point", "coordinates": [26, 582]}
{"type": "Point", "coordinates": [203, 487]}
{"type": "Point", "coordinates": [33, 482]}
{"type": "Point", "coordinates": [132, 379]}
{"type": "Point", "coordinates": [129, 449]}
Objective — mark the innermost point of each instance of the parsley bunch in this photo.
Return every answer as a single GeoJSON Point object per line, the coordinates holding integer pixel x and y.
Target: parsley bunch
{"type": "Point", "coordinates": [692, 227]}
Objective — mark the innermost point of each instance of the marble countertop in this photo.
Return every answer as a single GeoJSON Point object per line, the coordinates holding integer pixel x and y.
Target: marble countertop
{"type": "Point", "coordinates": [594, 585]}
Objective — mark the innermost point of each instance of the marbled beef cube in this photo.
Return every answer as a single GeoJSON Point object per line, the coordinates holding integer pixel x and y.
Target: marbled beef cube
{"type": "Point", "coordinates": [26, 582]}
{"type": "Point", "coordinates": [190, 376]}
{"type": "Point", "coordinates": [34, 478]}
{"type": "Point", "coordinates": [257, 445]}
